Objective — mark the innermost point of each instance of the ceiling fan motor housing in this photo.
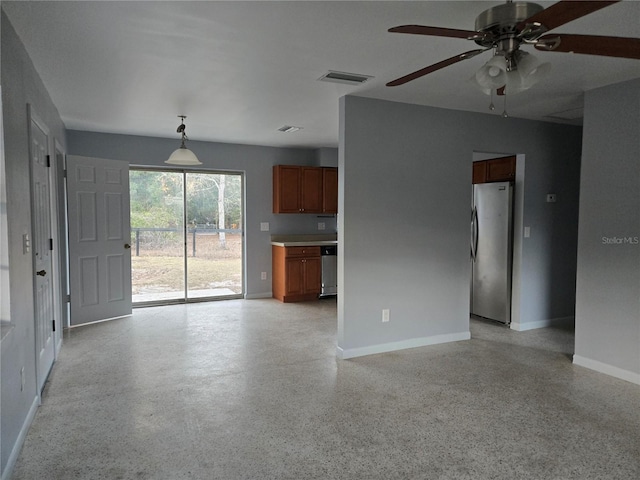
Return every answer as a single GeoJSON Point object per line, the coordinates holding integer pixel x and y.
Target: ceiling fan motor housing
{"type": "Point", "coordinates": [499, 24]}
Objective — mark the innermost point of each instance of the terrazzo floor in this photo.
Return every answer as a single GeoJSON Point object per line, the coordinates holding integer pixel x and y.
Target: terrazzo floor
{"type": "Point", "coordinates": [251, 389]}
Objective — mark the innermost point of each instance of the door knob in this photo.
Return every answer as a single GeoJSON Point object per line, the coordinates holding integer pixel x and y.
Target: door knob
{"type": "Point", "coordinates": [42, 273]}
{"type": "Point", "coordinates": [126, 245]}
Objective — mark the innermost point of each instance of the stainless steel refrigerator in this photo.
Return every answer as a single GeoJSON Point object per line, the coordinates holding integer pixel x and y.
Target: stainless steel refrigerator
{"type": "Point", "coordinates": [491, 250]}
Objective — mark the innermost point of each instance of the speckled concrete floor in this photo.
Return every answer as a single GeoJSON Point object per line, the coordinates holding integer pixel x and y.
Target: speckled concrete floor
{"type": "Point", "coordinates": [252, 390]}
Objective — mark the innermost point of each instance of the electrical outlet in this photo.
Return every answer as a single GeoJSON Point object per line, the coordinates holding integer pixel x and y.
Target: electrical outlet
{"type": "Point", "coordinates": [321, 225]}
{"type": "Point", "coordinates": [264, 226]}
{"type": "Point", "coordinates": [263, 276]}
{"type": "Point", "coordinates": [385, 314]}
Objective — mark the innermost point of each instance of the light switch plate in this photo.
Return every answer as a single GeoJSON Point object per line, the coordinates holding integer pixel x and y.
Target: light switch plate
{"type": "Point", "coordinates": [527, 232]}
{"type": "Point", "coordinates": [264, 226]}
{"type": "Point", "coordinates": [26, 243]}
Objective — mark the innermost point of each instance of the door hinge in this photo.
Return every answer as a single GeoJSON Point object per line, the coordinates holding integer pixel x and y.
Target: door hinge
{"type": "Point", "coordinates": [49, 161]}
{"type": "Point", "coordinates": [67, 298]}
{"type": "Point", "coordinates": [53, 322]}
{"type": "Point", "coordinates": [51, 244]}
{"type": "Point", "coordinates": [64, 173]}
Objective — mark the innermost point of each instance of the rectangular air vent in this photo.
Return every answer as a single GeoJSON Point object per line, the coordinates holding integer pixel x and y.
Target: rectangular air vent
{"type": "Point", "coordinates": [343, 77]}
{"type": "Point", "coordinates": [289, 129]}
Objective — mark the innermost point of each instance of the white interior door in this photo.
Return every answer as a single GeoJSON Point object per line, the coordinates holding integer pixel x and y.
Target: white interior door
{"type": "Point", "coordinates": [42, 245]}
{"type": "Point", "coordinates": [99, 239]}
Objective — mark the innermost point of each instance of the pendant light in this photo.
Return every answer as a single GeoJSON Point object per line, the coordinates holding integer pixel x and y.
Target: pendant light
{"type": "Point", "coordinates": [182, 155]}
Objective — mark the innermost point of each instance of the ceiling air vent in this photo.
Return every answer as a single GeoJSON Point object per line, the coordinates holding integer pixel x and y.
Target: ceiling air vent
{"type": "Point", "coordinates": [289, 129]}
{"type": "Point", "coordinates": [343, 77]}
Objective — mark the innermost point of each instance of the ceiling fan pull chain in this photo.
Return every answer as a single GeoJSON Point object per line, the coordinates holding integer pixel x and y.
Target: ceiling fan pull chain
{"type": "Point", "coordinates": [504, 112]}
{"type": "Point", "coordinates": [491, 105]}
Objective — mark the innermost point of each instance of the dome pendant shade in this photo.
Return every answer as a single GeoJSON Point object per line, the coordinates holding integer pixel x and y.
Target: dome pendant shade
{"type": "Point", "coordinates": [530, 71]}
{"type": "Point", "coordinates": [492, 74]}
{"type": "Point", "coordinates": [183, 156]}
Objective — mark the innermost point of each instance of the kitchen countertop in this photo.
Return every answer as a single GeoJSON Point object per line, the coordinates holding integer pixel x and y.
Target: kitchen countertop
{"type": "Point", "coordinates": [303, 240]}
{"type": "Point", "coordinates": [318, 243]}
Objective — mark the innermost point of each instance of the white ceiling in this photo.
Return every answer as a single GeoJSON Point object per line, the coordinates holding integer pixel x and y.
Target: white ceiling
{"type": "Point", "coordinates": [240, 70]}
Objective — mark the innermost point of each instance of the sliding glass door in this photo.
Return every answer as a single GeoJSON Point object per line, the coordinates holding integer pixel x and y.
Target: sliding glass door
{"type": "Point", "coordinates": [214, 234]}
{"type": "Point", "coordinates": [187, 233]}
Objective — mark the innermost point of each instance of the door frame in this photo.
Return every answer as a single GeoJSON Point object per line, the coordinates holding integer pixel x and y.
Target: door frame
{"type": "Point", "coordinates": [60, 250]}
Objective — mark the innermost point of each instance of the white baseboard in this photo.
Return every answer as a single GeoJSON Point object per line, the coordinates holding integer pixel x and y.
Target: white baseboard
{"type": "Point", "coordinates": [607, 369]}
{"type": "Point", "coordinates": [15, 451]}
{"type": "Point", "coordinates": [250, 296]}
{"type": "Point", "coordinates": [549, 322]}
{"type": "Point", "coordinates": [344, 354]}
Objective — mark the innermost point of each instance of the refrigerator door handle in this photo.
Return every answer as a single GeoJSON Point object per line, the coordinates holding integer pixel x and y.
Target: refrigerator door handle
{"type": "Point", "coordinates": [471, 236]}
{"type": "Point", "coordinates": [474, 233]}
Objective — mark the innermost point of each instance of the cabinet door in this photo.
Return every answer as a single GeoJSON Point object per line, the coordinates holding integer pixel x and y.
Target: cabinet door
{"type": "Point", "coordinates": [311, 189]}
{"type": "Point", "coordinates": [329, 190]}
{"type": "Point", "coordinates": [294, 276]}
{"type": "Point", "coordinates": [286, 189]}
{"type": "Point", "coordinates": [501, 169]}
{"type": "Point", "coordinates": [312, 274]}
{"type": "Point", "coordinates": [479, 172]}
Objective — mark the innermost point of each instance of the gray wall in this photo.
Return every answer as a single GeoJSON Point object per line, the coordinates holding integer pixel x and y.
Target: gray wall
{"type": "Point", "coordinates": [608, 283]}
{"type": "Point", "coordinates": [20, 86]}
{"type": "Point", "coordinates": [405, 195]}
{"type": "Point", "coordinates": [254, 161]}
{"type": "Point", "coordinates": [327, 157]}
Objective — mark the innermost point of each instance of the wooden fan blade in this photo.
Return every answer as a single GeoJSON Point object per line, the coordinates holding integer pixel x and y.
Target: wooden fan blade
{"type": "Point", "coordinates": [434, 67]}
{"type": "Point", "coordinates": [591, 45]}
{"type": "Point", "coordinates": [436, 31]}
{"type": "Point", "coordinates": [564, 12]}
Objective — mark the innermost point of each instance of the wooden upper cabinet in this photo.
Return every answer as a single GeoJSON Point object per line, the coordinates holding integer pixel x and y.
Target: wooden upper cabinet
{"type": "Point", "coordinates": [501, 169]}
{"type": "Point", "coordinates": [311, 191]}
{"type": "Point", "coordinates": [286, 189]}
{"type": "Point", "coordinates": [329, 190]}
{"type": "Point", "coordinates": [479, 172]}
{"type": "Point", "coordinates": [495, 170]}
{"type": "Point", "coordinates": [300, 189]}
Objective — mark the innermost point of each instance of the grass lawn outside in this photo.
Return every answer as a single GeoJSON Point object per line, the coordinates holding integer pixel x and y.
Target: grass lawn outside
{"type": "Point", "coordinates": [158, 270]}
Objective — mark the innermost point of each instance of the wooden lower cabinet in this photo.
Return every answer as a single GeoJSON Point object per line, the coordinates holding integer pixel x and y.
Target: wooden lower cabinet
{"type": "Point", "coordinates": [296, 273]}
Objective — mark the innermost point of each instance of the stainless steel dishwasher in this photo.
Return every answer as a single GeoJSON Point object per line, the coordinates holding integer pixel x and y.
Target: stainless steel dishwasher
{"type": "Point", "coordinates": [329, 270]}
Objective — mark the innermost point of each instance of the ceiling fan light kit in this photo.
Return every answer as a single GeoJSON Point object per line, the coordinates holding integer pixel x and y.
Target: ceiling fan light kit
{"type": "Point", "coordinates": [493, 74]}
{"type": "Point", "coordinates": [522, 73]}
{"type": "Point", "coordinates": [506, 27]}
{"type": "Point", "coordinates": [182, 155]}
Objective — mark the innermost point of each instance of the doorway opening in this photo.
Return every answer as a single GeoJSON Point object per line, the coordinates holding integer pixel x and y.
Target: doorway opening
{"type": "Point", "coordinates": [496, 244]}
{"type": "Point", "coordinates": [187, 236]}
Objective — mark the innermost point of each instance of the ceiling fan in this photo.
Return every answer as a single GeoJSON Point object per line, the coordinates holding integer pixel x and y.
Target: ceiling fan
{"type": "Point", "coordinates": [506, 27]}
